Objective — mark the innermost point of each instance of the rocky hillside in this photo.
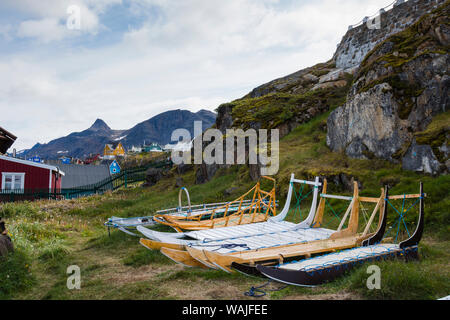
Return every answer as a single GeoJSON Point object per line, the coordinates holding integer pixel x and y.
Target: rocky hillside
{"type": "Point", "coordinates": [359, 41]}
{"type": "Point", "coordinates": [157, 129]}
{"type": "Point", "coordinates": [399, 89]}
{"type": "Point", "coordinates": [384, 87]}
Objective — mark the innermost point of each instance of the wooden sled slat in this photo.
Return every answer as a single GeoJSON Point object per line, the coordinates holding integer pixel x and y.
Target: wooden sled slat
{"type": "Point", "coordinates": [200, 257]}
{"type": "Point", "coordinates": [155, 245]}
{"type": "Point", "coordinates": [182, 257]}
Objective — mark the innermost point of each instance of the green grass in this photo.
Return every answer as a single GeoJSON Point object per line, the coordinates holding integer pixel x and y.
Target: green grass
{"type": "Point", "coordinates": [49, 235]}
{"type": "Point", "coordinates": [50, 239]}
{"type": "Point", "coordinates": [275, 109]}
{"type": "Point", "coordinates": [400, 280]}
{"type": "Point", "coordinates": [143, 256]}
{"type": "Point", "coordinates": [15, 274]}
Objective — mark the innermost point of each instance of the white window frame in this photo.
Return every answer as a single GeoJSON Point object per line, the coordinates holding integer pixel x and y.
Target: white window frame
{"type": "Point", "coordinates": [13, 174]}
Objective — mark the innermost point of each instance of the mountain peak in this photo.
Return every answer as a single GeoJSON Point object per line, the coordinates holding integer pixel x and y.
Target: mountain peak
{"type": "Point", "coordinates": [99, 124]}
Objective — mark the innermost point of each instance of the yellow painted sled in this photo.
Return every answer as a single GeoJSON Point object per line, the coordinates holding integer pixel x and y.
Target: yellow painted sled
{"type": "Point", "coordinates": [238, 212]}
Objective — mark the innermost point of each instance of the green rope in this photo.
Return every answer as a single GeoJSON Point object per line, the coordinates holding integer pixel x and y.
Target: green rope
{"type": "Point", "coordinates": [401, 218]}
{"type": "Point", "coordinates": [299, 198]}
{"type": "Point", "coordinates": [336, 216]}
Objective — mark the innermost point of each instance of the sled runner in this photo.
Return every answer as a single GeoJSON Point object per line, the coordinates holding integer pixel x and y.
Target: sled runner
{"type": "Point", "coordinates": [128, 224]}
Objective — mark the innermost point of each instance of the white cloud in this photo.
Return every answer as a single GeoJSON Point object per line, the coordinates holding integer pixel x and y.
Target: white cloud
{"type": "Point", "coordinates": [46, 30]}
{"type": "Point", "coordinates": [49, 17]}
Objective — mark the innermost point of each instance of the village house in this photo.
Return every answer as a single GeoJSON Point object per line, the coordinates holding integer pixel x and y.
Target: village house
{"type": "Point", "coordinates": [20, 176]}
{"type": "Point", "coordinates": [112, 150]}
{"type": "Point", "coordinates": [154, 147]}
{"type": "Point", "coordinates": [92, 159]}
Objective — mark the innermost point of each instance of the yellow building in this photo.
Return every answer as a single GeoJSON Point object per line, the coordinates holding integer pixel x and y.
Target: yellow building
{"type": "Point", "coordinates": [114, 149]}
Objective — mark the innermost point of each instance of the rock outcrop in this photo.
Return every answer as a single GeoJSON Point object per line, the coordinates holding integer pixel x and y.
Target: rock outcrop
{"type": "Point", "coordinates": [393, 84]}
{"type": "Point", "coordinates": [359, 41]}
{"type": "Point", "coordinates": [399, 88]}
{"type": "Point", "coordinates": [152, 176]}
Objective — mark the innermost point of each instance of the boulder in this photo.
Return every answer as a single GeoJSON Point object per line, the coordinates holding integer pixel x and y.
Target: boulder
{"type": "Point", "coordinates": [6, 245]}
{"type": "Point", "coordinates": [332, 84]}
{"type": "Point", "coordinates": [152, 176]}
{"type": "Point", "coordinates": [333, 75]}
{"type": "Point", "coordinates": [421, 159]}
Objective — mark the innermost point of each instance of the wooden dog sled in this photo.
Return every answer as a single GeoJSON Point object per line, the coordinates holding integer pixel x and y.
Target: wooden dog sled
{"type": "Point", "coordinates": [318, 270]}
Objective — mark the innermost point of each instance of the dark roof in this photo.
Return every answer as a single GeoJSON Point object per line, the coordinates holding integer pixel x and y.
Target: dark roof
{"type": "Point", "coordinates": [82, 175]}
{"type": "Point", "coordinates": [6, 140]}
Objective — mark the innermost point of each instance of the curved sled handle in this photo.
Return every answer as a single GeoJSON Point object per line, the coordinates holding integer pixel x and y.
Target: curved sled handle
{"type": "Point", "coordinates": [188, 198]}
{"type": "Point", "coordinates": [417, 236]}
{"type": "Point", "coordinates": [271, 179]}
{"type": "Point", "coordinates": [378, 236]}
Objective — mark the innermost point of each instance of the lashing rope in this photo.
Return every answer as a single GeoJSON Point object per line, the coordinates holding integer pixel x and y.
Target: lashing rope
{"type": "Point", "coordinates": [226, 246]}
{"type": "Point", "coordinates": [256, 292]}
{"type": "Point", "coordinates": [299, 198]}
{"type": "Point", "coordinates": [336, 215]}
{"type": "Point", "coordinates": [401, 219]}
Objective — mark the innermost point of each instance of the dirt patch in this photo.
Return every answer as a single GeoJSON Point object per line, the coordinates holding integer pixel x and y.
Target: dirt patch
{"type": "Point", "coordinates": [201, 289]}
{"type": "Point", "coordinates": [327, 296]}
{"type": "Point", "coordinates": [122, 275]}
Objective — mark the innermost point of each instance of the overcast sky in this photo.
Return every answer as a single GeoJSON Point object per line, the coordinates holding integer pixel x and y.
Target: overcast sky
{"type": "Point", "coordinates": [133, 59]}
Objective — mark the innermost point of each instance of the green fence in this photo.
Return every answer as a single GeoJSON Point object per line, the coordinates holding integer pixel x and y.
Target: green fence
{"type": "Point", "coordinates": [111, 183]}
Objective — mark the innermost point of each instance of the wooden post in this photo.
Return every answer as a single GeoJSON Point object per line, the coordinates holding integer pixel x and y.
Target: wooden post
{"type": "Point", "coordinates": [318, 219]}
{"type": "Point", "coordinates": [372, 217]}
{"type": "Point", "coordinates": [352, 228]}
{"type": "Point", "coordinates": [353, 221]}
{"type": "Point", "coordinates": [228, 218]}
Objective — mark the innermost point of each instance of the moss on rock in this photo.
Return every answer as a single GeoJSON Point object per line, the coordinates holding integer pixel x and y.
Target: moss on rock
{"type": "Point", "coordinates": [436, 135]}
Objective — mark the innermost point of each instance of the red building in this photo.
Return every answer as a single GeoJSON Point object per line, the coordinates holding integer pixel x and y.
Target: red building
{"type": "Point", "coordinates": [22, 176]}
{"type": "Point", "coordinates": [92, 159]}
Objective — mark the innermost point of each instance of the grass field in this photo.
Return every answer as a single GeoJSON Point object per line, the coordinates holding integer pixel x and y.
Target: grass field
{"type": "Point", "coordinates": [49, 236]}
